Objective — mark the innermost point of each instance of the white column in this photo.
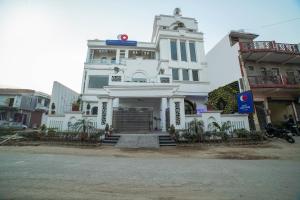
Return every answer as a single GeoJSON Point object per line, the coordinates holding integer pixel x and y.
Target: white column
{"type": "Point", "coordinates": [118, 56]}
{"type": "Point", "coordinates": [109, 112]}
{"type": "Point", "coordinates": [180, 100]}
{"type": "Point", "coordinates": [163, 107]}
{"type": "Point", "coordinates": [116, 102]}
{"type": "Point", "coordinates": [99, 116]}
{"type": "Point", "coordinates": [180, 74]}
{"type": "Point", "coordinates": [295, 111]}
{"type": "Point", "coordinates": [190, 75]}
{"type": "Point", "coordinates": [188, 51]}
{"type": "Point", "coordinates": [266, 105]}
{"type": "Point", "coordinates": [178, 50]}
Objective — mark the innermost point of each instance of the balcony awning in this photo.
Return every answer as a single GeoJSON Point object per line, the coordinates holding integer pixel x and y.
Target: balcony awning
{"type": "Point", "coordinates": [270, 51]}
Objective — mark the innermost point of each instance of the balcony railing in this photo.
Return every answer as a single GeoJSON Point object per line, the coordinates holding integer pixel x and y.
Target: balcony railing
{"type": "Point", "coordinates": [269, 46]}
{"type": "Point", "coordinates": [279, 81]}
{"type": "Point", "coordinates": [105, 62]}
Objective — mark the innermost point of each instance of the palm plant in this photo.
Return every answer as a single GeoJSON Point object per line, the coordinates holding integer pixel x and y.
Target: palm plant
{"type": "Point", "coordinates": [83, 126]}
{"type": "Point", "coordinates": [196, 128]}
{"type": "Point", "coordinates": [224, 127]}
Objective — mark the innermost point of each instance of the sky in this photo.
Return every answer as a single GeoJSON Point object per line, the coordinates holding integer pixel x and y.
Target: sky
{"type": "Point", "coordinates": [42, 41]}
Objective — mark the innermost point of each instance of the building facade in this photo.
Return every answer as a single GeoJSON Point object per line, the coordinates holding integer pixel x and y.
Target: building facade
{"type": "Point", "coordinates": [24, 106]}
{"type": "Point", "coordinates": [147, 85]}
{"type": "Point", "coordinates": [269, 69]}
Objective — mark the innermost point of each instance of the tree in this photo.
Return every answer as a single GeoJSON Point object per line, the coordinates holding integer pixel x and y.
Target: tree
{"type": "Point", "coordinates": [224, 127]}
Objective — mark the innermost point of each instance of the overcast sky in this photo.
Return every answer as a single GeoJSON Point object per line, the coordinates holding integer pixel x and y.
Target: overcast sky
{"type": "Point", "coordinates": [43, 41]}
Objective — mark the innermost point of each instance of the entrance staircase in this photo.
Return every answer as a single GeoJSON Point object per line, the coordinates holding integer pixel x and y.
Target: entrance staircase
{"type": "Point", "coordinates": [166, 140]}
{"type": "Point", "coordinates": [111, 140]}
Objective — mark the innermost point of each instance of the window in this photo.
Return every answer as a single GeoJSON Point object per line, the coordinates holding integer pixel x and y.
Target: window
{"type": "Point", "coordinates": [175, 74]}
{"type": "Point", "coordinates": [192, 51]}
{"type": "Point", "coordinates": [96, 81]}
{"type": "Point", "coordinates": [164, 80]}
{"type": "Point", "coordinates": [95, 111]}
{"type": "Point", "coordinates": [122, 54]}
{"type": "Point", "coordinates": [251, 68]}
{"type": "Point", "coordinates": [173, 50]}
{"type": "Point", "coordinates": [185, 74]}
{"type": "Point", "coordinates": [104, 55]}
{"type": "Point", "coordinates": [195, 75]}
{"type": "Point", "coordinates": [133, 54]}
{"type": "Point", "coordinates": [183, 51]}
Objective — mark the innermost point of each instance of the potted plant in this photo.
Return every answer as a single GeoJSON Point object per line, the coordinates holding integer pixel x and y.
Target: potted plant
{"type": "Point", "coordinates": [76, 104]}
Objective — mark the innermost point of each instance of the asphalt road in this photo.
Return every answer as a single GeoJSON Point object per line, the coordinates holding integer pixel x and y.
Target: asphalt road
{"type": "Point", "coordinates": [46, 176]}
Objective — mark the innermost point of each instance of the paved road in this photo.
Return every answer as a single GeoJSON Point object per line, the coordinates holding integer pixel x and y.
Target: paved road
{"type": "Point", "coordinates": [45, 176]}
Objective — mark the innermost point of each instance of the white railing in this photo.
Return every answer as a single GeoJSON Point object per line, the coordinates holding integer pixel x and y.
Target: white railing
{"type": "Point", "coordinates": [237, 121]}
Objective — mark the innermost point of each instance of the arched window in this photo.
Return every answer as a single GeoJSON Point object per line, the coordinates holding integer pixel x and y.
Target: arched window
{"type": "Point", "coordinates": [189, 107]}
{"type": "Point", "coordinates": [95, 110]}
{"type": "Point", "coordinates": [139, 77]}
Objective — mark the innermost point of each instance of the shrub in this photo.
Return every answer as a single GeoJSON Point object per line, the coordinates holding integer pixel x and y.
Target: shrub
{"type": "Point", "coordinates": [6, 131]}
{"type": "Point", "coordinates": [241, 133]}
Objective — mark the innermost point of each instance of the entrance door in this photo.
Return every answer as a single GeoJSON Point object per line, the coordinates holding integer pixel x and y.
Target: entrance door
{"type": "Point", "coordinates": [133, 119]}
{"type": "Point", "coordinates": [261, 115]}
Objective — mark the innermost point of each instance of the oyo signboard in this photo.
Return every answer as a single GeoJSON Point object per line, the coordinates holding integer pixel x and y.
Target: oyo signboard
{"type": "Point", "coordinates": [122, 41]}
{"type": "Point", "coordinates": [245, 102]}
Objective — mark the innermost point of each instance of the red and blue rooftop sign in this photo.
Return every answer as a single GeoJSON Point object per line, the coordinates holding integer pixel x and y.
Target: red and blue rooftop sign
{"type": "Point", "coordinates": [122, 41]}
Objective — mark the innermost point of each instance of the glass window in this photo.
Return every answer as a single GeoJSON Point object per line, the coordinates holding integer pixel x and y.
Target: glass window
{"type": "Point", "coordinates": [185, 74]}
{"type": "Point", "coordinates": [192, 51]}
{"type": "Point", "coordinates": [173, 49]}
{"type": "Point", "coordinates": [183, 51]}
{"type": "Point", "coordinates": [195, 75]}
{"type": "Point", "coordinates": [97, 81]}
{"type": "Point", "coordinates": [149, 55]}
{"type": "Point", "coordinates": [175, 74]}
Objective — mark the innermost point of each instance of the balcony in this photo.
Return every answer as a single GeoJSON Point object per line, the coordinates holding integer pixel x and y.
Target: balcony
{"type": "Point", "coordinates": [105, 62]}
{"type": "Point", "coordinates": [270, 51]}
{"type": "Point", "coordinates": [276, 81]}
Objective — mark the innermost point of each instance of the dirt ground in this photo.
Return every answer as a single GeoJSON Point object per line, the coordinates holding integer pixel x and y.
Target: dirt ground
{"type": "Point", "coordinates": [274, 149]}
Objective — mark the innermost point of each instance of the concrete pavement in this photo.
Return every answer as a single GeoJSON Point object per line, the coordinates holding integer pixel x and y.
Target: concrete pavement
{"type": "Point", "coordinates": [46, 176]}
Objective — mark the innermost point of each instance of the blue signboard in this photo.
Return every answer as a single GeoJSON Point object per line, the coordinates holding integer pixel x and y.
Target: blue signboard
{"type": "Point", "coordinates": [121, 42]}
{"type": "Point", "coordinates": [245, 102]}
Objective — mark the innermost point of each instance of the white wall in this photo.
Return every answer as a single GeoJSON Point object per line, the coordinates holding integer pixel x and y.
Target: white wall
{"type": "Point", "coordinates": [63, 97]}
{"type": "Point", "coordinates": [223, 63]}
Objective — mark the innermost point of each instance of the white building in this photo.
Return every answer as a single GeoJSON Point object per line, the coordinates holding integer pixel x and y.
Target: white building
{"type": "Point", "coordinates": [147, 85]}
{"type": "Point", "coordinates": [166, 75]}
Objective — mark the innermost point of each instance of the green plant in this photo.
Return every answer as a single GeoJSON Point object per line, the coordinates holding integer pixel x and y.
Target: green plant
{"type": "Point", "coordinates": [224, 127]}
{"type": "Point", "coordinates": [83, 126]}
{"type": "Point", "coordinates": [241, 133]}
{"type": "Point", "coordinates": [196, 130]}
{"type": "Point", "coordinates": [172, 130]}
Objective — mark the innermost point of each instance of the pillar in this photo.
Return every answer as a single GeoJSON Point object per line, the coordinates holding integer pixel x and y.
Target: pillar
{"type": "Point", "coordinates": [105, 112]}
{"type": "Point", "coordinates": [163, 107]}
{"type": "Point", "coordinates": [177, 112]}
{"type": "Point", "coordinates": [266, 105]}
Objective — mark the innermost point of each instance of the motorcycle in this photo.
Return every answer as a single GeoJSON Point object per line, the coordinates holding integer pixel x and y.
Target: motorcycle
{"type": "Point", "coordinates": [293, 128]}
{"type": "Point", "coordinates": [279, 133]}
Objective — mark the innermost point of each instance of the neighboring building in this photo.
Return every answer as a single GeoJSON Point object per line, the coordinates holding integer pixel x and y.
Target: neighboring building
{"type": "Point", "coordinates": [62, 99]}
{"type": "Point", "coordinates": [23, 105]}
{"type": "Point", "coordinates": [146, 86]}
{"type": "Point", "coordinates": [271, 70]}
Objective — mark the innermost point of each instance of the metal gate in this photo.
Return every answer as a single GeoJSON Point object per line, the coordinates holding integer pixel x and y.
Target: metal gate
{"type": "Point", "coordinates": [133, 119]}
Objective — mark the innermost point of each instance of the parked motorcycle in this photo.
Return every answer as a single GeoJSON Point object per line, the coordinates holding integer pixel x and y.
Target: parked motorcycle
{"type": "Point", "coordinates": [293, 128]}
{"type": "Point", "coordinates": [279, 133]}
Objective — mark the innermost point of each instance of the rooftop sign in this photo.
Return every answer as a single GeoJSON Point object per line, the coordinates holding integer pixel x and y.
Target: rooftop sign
{"type": "Point", "coordinates": [122, 41]}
